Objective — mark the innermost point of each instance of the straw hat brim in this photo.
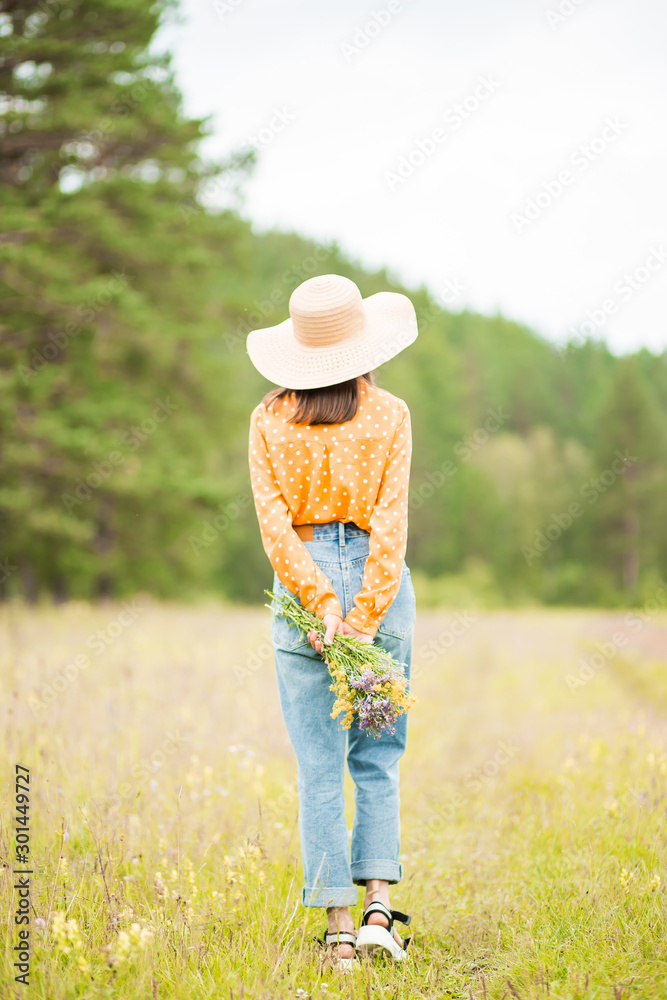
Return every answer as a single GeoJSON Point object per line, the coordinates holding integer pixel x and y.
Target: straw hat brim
{"type": "Point", "coordinates": [391, 325]}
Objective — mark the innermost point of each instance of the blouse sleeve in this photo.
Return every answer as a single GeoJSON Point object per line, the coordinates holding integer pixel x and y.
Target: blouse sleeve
{"type": "Point", "coordinates": [389, 535]}
{"type": "Point", "coordinates": [288, 555]}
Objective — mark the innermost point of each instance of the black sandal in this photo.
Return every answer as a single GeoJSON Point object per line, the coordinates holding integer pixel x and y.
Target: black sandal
{"type": "Point", "coordinates": [374, 938]}
{"type": "Point", "coordinates": [339, 937]}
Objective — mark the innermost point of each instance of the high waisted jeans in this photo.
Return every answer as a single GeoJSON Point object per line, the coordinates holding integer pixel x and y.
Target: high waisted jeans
{"type": "Point", "coordinates": [330, 874]}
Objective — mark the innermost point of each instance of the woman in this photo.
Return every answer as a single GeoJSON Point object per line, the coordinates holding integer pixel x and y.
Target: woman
{"type": "Point", "coordinates": [329, 461]}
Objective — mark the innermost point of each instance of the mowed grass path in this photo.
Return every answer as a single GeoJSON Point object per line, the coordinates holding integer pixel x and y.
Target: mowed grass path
{"type": "Point", "coordinates": [163, 808]}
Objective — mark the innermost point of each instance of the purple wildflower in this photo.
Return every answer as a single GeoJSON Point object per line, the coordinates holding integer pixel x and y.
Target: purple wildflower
{"type": "Point", "coordinates": [365, 682]}
{"type": "Point", "coordinates": [376, 714]}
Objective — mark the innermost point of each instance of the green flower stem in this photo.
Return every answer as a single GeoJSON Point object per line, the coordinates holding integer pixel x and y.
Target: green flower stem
{"type": "Point", "coordinates": [348, 652]}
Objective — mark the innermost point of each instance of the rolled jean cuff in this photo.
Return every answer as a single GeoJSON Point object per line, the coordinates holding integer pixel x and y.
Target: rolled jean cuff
{"type": "Point", "coordinates": [326, 895]}
{"type": "Point", "coordinates": [388, 871]}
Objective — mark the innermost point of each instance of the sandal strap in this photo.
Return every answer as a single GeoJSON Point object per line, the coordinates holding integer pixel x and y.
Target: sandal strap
{"type": "Point", "coordinates": [338, 937]}
{"type": "Point", "coordinates": [377, 907]}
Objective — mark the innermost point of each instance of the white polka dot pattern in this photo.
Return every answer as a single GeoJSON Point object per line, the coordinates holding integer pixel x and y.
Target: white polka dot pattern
{"type": "Point", "coordinates": [357, 471]}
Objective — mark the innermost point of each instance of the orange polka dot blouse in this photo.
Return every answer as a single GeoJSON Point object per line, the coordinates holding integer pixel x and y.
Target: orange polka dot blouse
{"type": "Point", "coordinates": [356, 471]}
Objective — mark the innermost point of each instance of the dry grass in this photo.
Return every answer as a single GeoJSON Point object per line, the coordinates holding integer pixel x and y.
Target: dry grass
{"type": "Point", "coordinates": [533, 871]}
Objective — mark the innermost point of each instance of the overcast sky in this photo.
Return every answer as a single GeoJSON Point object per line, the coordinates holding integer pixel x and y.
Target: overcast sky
{"type": "Point", "coordinates": [510, 156]}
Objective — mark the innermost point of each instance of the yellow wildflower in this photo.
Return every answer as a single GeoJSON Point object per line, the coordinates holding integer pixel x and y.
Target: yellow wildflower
{"type": "Point", "coordinates": [627, 877]}
{"type": "Point", "coordinates": [129, 944]}
{"type": "Point", "coordinates": [66, 934]}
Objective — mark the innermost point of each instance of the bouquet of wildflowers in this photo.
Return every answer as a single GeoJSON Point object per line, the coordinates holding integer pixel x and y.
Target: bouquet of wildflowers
{"type": "Point", "coordinates": [367, 680]}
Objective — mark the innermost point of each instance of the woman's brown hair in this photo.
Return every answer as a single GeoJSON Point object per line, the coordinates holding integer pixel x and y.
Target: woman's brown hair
{"type": "Point", "coordinates": [332, 404]}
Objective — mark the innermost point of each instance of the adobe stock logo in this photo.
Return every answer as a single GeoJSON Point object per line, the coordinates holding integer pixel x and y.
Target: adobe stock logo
{"type": "Point", "coordinates": [133, 439]}
{"type": "Point", "coordinates": [565, 9]}
{"type": "Point", "coordinates": [627, 286]}
{"type": "Point", "coordinates": [591, 491]}
{"type": "Point", "coordinates": [365, 33]}
{"type": "Point", "coordinates": [278, 122]}
{"type": "Point", "coordinates": [453, 118]}
{"type": "Point", "coordinates": [607, 649]}
{"type": "Point", "coordinates": [554, 188]}
{"type": "Point", "coordinates": [465, 449]}
{"type": "Point", "coordinates": [223, 7]}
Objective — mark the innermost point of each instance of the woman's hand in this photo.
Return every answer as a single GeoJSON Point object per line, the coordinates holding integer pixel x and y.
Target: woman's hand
{"type": "Point", "coordinates": [333, 624]}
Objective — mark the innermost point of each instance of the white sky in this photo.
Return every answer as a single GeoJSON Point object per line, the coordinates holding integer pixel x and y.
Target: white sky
{"type": "Point", "coordinates": [353, 114]}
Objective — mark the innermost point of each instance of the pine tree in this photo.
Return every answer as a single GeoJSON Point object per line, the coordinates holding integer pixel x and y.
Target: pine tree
{"type": "Point", "coordinates": [107, 276]}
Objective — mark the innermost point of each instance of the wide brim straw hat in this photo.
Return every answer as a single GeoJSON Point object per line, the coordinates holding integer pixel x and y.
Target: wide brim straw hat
{"type": "Point", "coordinates": [332, 334]}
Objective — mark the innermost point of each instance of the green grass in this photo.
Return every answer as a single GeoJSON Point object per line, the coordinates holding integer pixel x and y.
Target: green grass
{"type": "Point", "coordinates": [533, 814]}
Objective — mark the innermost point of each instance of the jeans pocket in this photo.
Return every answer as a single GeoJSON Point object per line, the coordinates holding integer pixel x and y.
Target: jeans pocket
{"type": "Point", "coordinates": [285, 634]}
{"type": "Point", "coordinates": [400, 619]}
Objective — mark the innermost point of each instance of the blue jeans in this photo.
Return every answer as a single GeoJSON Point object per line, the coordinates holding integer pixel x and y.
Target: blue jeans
{"type": "Point", "coordinates": [330, 873]}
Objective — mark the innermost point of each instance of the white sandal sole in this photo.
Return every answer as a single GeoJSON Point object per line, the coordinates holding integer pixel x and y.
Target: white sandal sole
{"type": "Point", "coordinates": [373, 938]}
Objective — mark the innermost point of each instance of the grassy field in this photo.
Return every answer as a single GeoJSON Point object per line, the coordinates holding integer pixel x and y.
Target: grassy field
{"type": "Point", "coordinates": [163, 808]}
